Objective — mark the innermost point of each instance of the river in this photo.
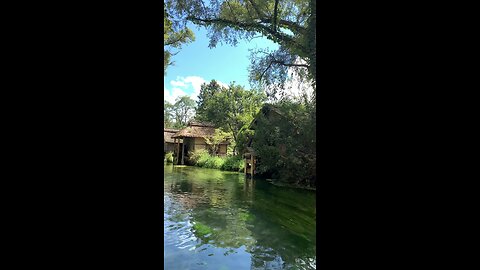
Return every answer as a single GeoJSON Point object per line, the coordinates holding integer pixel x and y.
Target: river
{"type": "Point", "coordinates": [220, 220]}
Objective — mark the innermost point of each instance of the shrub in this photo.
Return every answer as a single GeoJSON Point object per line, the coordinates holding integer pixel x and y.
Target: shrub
{"type": "Point", "coordinates": [202, 158]}
{"type": "Point", "coordinates": [214, 162]}
{"type": "Point", "coordinates": [197, 155]}
{"type": "Point", "coordinates": [285, 144]}
{"type": "Point", "coordinates": [233, 163]}
{"type": "Point", "coordinates": [169, 157]}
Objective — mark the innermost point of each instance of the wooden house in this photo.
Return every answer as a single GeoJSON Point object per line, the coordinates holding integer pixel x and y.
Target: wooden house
{"type": "Point", "coordinates": [193, 137]}
{"type": "Point", "coordinates": [168, 142]}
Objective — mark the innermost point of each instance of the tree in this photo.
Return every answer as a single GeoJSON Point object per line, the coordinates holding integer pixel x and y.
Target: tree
{"type": "Point", "coordinates": [286, 144]}
{"type": "Point", "coordinates": [183, 111]}
{"type": "Point", "coordinates": [173, 37]}
{"type": "Point", "coordinates": [289, 23]}
{"type": "Point", "coordinates": [215, 139]}
{"type": "Point", "coordinates": [231, 108]}
{"type": "Point", "coordinates": [168, 114]}
{"type": "Point", "coordinates": [206, 102]}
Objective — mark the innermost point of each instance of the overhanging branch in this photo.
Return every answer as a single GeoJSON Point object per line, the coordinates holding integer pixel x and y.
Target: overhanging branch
{"type": "Point", "coordinates": [275, 13]}
{"type": "Point", "coordinates": [257, 10]}
{"type": "Point", "coordinates": [289, 64]}
{"type": "Point", "coordinates": [279, 36]}
{"type": "Point", "coordinates": [288, 24]}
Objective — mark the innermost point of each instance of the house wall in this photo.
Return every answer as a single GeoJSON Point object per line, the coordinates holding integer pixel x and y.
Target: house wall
{"type": "Point", "coordinates": [168, 147]}
{"type": "Point", "coordinates": [222, 150]}
{"type": "Point", "coordinates": [200, 143]}
{"type": "Point", "coordinates": [195, 144]}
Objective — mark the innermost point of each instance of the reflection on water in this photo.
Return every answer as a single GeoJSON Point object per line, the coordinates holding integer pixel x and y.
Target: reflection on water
{"type": "Point", "coordinates": [220, 220]}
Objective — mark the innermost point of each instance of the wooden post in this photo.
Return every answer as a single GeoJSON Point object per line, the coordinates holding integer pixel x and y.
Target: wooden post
{"type": "Point", "coordinates": [174, 152]}
{"type": "Point", "coordinates": [245, 166]}
{"type": "Point", "coordinates": [178, 151]}
{"type": "Point", "coordinates": [183, 150]}
{"type": "Point", "coordinates": [253, 165]}
{"type": "Point", "coordinates": [174, 142]}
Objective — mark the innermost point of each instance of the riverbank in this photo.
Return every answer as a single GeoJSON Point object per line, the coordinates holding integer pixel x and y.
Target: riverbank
{"type": "Point", "coordinates": [204, 160]}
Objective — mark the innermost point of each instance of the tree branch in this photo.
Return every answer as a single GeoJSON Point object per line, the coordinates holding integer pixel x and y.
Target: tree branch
{"type": "Point", "coordinates": [288, 24]}
{"type": "Point", "coordinates": [248, 12]}
{"type": "Point", "coordinates": [263, 73]}
{"type": "Point", "coordinates": [231, 11]}
{"type": "Point", "coordinates": [289, 64]}
{"type": "Point", "coordinates": [280, 37]}
{"type": "Point", "coordinates": [252, 38]}
{"type": "Point", "coordinates": [180, 37]}
{"type": "Point", "coordinates": [275, 13]}
{"type": "Point", "coordinates": [257, 10]}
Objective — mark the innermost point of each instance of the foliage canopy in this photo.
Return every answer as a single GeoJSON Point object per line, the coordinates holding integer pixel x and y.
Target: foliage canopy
{"type": "Point", "coordinates": [286, 144]}
{"type": "Point", "coordinates": [231, 108]}
{"type": "Point", "coordinates": [289, 23]}
{"type": "Point", "coordinates": [178, 115]}
{"type": "Point", "coordinates": [173, 38]}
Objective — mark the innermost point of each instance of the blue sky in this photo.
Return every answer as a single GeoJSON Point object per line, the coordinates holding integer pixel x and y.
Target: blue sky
{"type": "Point", "coordinates": [195, 64]}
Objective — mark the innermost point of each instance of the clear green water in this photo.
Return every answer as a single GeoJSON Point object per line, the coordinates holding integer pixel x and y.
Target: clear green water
{"type": "Point", "coordinates": [220, 220]}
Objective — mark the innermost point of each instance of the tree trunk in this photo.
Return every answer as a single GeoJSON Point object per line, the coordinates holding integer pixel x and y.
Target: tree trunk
{"type": "Point", "coordinates": [235, 146]}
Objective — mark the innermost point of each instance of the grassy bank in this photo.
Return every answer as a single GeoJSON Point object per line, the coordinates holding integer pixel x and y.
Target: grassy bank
{"type": "Point", "coordinates": [205, 160]}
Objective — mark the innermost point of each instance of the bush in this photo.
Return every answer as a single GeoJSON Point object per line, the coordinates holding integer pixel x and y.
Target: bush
{"type": "Point", "coordinates": [197, 155]}
{"type": "Point", "coordinates": [201, 158]}
{"type": "Point", "coordinates": [233, 163]}
{"type": "Point", "coordinates": [214, 163]}
{"type": "Point", "coordinates": [285, 144]}
{"type": "Point", "coordinates": [169, 157]}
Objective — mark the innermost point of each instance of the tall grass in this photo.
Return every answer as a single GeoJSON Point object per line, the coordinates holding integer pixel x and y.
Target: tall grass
{"type": "Point", "coordinates": [203, 159]}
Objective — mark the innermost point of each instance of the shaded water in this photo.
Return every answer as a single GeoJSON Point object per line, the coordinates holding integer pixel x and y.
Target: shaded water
{"type": "Point", "coordinates": [220, 220]}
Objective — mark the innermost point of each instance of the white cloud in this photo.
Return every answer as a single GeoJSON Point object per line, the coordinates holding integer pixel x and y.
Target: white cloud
{"type": "Point", "coordinates": [194, 96]}
{"type": "Point", "coordinates": [178, 83]}
{"type": "Point", "coordinates": [196, 82]}
{"type": "Point", "coordinates": [176, 92]}
{"type": "Point", "coordinates": [222, 84]}
{"type": "Point", "coordinates": [167, 96]}
{"type": "Point", "coordinates": [182, 85]}
{"type": "Point", "coordinates": [172, 95]}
